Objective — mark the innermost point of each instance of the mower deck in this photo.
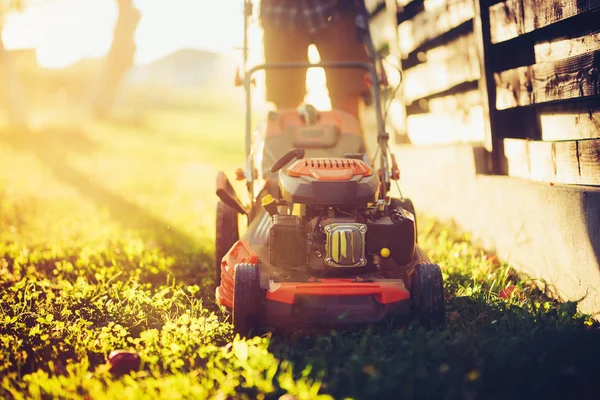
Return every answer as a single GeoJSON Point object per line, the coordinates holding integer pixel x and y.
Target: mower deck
{"type": "Point", "coordinates": [326, 301]}
{"type": "Point", "coordinates": [334, 301]}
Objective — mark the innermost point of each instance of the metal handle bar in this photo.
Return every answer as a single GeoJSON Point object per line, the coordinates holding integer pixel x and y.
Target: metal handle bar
{"type": "Point", "coordinates": [325, 65]}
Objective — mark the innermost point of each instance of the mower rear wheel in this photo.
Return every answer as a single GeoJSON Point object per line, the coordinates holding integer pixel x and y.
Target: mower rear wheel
{"type": "Point", "coordinates": [227, 233]}
{"type": "Point", "coordinates": [427, 291]}
{"type": "Point", "coordinates": [246, 298]}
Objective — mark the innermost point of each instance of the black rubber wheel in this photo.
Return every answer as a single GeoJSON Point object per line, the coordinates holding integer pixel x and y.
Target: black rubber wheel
{"type": "Point", "coordinates": [227, 233]}
{"type": "Point", "coordinates": [246, 299]}
{"type": "Point", "coordinates": [427, 290]}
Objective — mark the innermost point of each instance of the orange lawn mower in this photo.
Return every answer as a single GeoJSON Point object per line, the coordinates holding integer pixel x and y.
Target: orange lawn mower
{"type": "Point", "coordinates": [325, 243]}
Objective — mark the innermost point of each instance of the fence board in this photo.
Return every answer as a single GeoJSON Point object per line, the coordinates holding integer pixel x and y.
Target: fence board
{"type": "Point", "coordinates": [566, 162]}
{"type": "Point", "coordinates": [437, 19]}
{"type": "Point", "coordinates": [383, 29]}
{"type": "Point", "coordinates": [564, 48]}
{"type": "Point", "coordinates": [446, 127]}
{"type": "Point", "coordinates": [513, 18]}
{"type": "Point", "coordinates": [446, 67]}
{"type": "Point", "coordinates": [458, 102]}
{"type": "Point", "coordinates": [564, 123]}
{"type": "Point", "coordinates": [568, 78]}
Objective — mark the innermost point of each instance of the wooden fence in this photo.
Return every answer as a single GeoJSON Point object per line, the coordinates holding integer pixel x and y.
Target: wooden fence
{"type": "Point", "coordinates": [521, 78]}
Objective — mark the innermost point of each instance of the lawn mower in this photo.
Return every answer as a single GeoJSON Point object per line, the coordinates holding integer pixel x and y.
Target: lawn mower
{"type": "Point", "coordinates": [325, 243]}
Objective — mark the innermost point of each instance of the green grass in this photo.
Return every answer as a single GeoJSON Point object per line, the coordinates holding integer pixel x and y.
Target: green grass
{"type": "Point", "coordinates": [106, 243]}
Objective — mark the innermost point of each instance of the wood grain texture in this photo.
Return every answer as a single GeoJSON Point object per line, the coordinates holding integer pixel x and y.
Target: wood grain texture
{"type": "Point", "coordinates": [540, 13]}
{"type": "Point", "coordinates": [566, 162]}
{"type": "Point", "coordinates": [513, 18]}
{"type": "Point", "coordinates": [446, 127]}
{"type": "Point", "coordinates": [564, 48]}
{"type": "Point", "coordinates": [568, 78]}
{"type": "Point", "coordinates": [458, 102]}
{"type": "Point", "coordinates": [438, 18]}
{"type": "Point", "coordinates": [569, 122]}
{"type": "Point", "coordinates": [506, 20]}
{"type": "Point", "coordinates": [445, 67]}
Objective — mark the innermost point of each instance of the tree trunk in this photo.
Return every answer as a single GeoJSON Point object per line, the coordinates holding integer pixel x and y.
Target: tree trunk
{"type": "Point", "coordinates": [119, 59]}
{"type": "Point", "coordinates": [12, 91]}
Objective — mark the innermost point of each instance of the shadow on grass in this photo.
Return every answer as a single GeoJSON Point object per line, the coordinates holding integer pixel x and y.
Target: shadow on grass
{"type": "Point", "coordinates": [52, 148]}
{"type": "Point", "coordinates": [491, 351]}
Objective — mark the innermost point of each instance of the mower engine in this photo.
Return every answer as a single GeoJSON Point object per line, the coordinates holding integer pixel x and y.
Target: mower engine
{"type": "Point", "coordinates": [329, 219]}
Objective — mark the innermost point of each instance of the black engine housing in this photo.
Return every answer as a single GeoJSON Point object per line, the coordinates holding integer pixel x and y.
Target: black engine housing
{"type": "Point", "coordinates": [287, 241]}
{"type": "Point", "coordinates": [396, 232]}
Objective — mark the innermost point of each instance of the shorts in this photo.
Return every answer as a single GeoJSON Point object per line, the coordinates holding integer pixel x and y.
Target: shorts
{"type": "Point", "coordinates": [337, 42]}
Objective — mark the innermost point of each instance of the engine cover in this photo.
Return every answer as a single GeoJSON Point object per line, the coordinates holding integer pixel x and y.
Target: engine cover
{"type": "Point", "coordinates": [397, 233]}
{"type": "Point", "coordinates": [345, 245]}
{"type": "Point", "coordinates": [329, 181]}
{"type": "Point", "coordinates": [287, 241]}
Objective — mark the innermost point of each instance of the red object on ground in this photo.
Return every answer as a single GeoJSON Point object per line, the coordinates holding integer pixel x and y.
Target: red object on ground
{"type": "Point", "coordinates": [507, 292]}
{"type": "Point", "coordinates": [123, 361]}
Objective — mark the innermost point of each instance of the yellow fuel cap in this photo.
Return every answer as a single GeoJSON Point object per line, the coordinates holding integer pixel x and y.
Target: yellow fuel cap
{"type": "Point", "coordinates": [385, 252]}
{"type": "Point", "coordinates": [267, 199]}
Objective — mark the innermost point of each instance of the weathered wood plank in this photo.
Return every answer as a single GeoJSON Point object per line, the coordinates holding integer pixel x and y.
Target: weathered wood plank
{"type": "Point", "coordinates": [567, 123]}
{"type": "Point", "coordinates": [445, 67]}
{"type": "Point", "coordinates": [517, 157]}
{"type": "Point", "coordinates": [513, 18]}
{"type": "Point", "coordinates": [438, 18]}
{"type": "Point", "coordinates": [383, 29]}
{"type": "Point", "coordinates": [541, 13]}
{"type": "Point", "coordinates": [446, 127]}
{"type": "Point", "coordinates": [566, 162]}
{"type": "Point", "coordinates": [458, 102]}
{"type": "Point", "coordinates": [542, 166]}
{"type": "Point", "coordinates": [588, 154]}
{"type": "Point", "coordinates": [564, 48]}
{"type": "Point", "coordinates": [506, 20]}
{"type": "Point", "coordinates": [569, 78]}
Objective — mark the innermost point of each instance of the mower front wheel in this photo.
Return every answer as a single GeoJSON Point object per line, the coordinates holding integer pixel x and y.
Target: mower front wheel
{"type": "Point", "coordinates": [427, 291]}
{"type": "Point", "coordinates": [227, 233]}
{"type": "Point", "coordinates": [246, 299]}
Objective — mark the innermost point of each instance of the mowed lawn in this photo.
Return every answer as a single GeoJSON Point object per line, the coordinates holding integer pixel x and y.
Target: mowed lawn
{"type": "Point", "coordinates": [106, 240]}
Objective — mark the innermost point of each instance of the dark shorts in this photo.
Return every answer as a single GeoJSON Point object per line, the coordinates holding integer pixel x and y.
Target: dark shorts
{"type": "Point", "coordinates": [338, 42]}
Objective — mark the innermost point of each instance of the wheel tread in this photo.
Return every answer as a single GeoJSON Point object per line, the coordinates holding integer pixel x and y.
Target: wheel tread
{"type": "Point", "coordinates": [428, 294]}
{"type": "Point", "coordinates": [246, 298]}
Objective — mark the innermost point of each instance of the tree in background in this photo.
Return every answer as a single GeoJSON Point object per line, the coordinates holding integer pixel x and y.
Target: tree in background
{"type": "Point", "coordinates": [10, 85]}
{"type": "Point", "coordinates": [118, 61]}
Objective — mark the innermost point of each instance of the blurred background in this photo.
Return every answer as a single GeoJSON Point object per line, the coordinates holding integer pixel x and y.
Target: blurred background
{"type": "Point", "coordinates": [115, 58]}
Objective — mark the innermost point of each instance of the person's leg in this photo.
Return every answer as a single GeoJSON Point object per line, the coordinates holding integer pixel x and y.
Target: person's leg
{"type": "Point", "coordinates": [339, 43]}
{"type": "Point", "coordinates": [285, 87]}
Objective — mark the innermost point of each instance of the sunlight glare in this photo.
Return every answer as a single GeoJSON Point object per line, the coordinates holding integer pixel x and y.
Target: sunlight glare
{"type": "Point", "coordinates": [316, 82]}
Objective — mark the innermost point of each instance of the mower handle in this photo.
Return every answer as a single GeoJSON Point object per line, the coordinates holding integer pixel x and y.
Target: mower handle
{"type": "Point", "coordinates": [323, 64]}
{"type": "Point", "coordinates": [286, 158]}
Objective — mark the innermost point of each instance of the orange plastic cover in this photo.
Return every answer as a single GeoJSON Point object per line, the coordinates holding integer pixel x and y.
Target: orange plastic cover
{"type": "Point", "coordinates": [329, 169]}
{"type": "Point", "coordinates": [384, 292]}
{"type": "Point", "coordinates": [240, 252]}
{"type": "Point", "coordinates": [347, 124]}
